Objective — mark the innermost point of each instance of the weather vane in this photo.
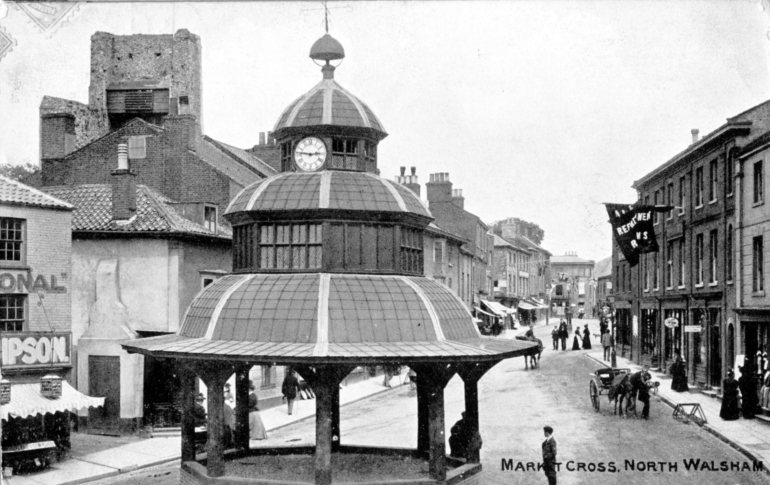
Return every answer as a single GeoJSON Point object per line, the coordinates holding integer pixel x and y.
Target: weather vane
{"type": "Point", "coordinates": [326, 10]}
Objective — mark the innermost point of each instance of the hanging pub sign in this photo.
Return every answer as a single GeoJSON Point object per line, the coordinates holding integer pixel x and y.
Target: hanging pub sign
{"type": "Point", "coordinates": [632, 226]}
{"type": "Point", "coordinates": [35, 349]}
{"type": "Point", "coordinates": [693, 328]}
{"type": "Point", "coordinates": [671, 322]}
{"type": "Point", "coordinates": [50, 386]}
{"type": "Point", "coordinates": [5, 391]}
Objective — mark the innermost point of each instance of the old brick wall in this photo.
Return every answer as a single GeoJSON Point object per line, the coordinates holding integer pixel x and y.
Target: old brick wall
{"type": "Point", "coordinates": [48, 241]}
{"type": "Point", "coordinates": [90, 123]}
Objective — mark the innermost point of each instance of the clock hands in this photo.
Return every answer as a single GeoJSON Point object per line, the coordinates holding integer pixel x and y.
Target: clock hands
{"type": "Point", "coordinates": [309, 153]}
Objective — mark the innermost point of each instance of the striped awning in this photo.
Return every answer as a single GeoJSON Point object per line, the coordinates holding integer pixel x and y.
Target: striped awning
{"type": "Point", "coordinates": [26, 400]}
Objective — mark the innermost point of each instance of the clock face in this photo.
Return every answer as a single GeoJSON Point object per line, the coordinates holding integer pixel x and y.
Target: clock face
{"type": "Point", "coordinates": [310, 154]}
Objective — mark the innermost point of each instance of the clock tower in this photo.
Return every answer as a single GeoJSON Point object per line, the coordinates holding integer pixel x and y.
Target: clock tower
{"type": "Point", "coordinates": [328, 128]}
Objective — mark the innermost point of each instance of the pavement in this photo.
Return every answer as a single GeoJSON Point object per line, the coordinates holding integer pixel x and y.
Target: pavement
{"type": "Point", "coordinates": [156, 451]}
{"type": "Point", "coordinates": [749, 436]}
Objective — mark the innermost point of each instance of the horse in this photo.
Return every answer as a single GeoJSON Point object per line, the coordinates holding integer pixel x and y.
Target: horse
{"type": "Point", "coordinates": [621, 389]}
{"type": "Point", "coordinates": [532, 357]}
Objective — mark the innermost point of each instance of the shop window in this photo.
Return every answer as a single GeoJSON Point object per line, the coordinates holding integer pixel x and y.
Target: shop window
{"type": "Point", "coordinates": [758, 262]}
{"type": "Point", "coordinates": [713, 178]}
{"type": "Point", "coordinates": [12, 313]}
{"type": "Point", "coordinates": [649, 328]}
{"type": "Point", "coordinates": [290, 246]}
{"type": "Point", "coordinates": [698, 187]}
{"type": "Point", "coordinates": [11, 239]}
{"type": "Point", "coordinates": [411, 250]}
{"type": "Point", "coordinates": [698, 319]}
{"type": "Point", "coordinates": [672, 342]}
{"type": "Point", "coordinates": [210, 217]}
{"type": "Point", "coordinates": [759, 183]}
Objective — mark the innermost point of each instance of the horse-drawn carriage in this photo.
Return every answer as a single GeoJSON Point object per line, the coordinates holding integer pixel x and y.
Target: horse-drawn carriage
{"type": "Point", "coordinates": [606, 382]}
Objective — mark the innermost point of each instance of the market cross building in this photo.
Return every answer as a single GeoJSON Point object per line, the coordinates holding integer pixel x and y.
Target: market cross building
{"type": "Point", "coordinates": [328, 275]}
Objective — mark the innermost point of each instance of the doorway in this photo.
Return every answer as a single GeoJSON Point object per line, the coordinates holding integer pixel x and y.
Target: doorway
{"type": "Point", "coordinates": [715, 361]}
{"type": "Point", "coordinates": [104, 381]}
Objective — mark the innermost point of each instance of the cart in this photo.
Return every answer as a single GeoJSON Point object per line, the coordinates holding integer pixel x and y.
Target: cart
{"type": "Point", "coordinates": [602, 380]}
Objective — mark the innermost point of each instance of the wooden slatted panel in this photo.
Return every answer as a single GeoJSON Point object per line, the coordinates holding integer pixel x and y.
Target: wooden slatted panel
{"type": "Point", "coordinates": [139, 101]}
{"type": "Point", "coordinates": [116, 101]}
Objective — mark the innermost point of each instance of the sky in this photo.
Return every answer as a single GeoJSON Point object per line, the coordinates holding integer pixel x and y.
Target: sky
{"type": "Point", "coordinates": [537, 110]}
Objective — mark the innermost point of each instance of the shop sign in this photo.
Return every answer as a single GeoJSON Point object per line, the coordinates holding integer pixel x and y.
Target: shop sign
{"type": "Point", "coordinates": [524, 274]}
{"type": "Point", "coordinates": [693, 328]}
{"type": "Point", "coordinates": [24, 350]}
{"type": "Point", "coordinates": [671, 322]}
{"type": "Point", "coordinates": [26, 283]}
{"type": "Point", "coordinates": [635, 326]}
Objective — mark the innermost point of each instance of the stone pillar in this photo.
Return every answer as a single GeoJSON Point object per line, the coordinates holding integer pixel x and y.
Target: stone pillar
{"type": "Point", "coordinates": [187, 382]}
{"type": "Point", "coordinates": [241, 437]}
{"type": "Point", "coordinates": [471, 374]}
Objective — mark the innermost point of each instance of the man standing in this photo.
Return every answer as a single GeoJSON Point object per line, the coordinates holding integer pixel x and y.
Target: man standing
{"type": "Point", "coordinates": [639, 382]}
{"type": "Point", "coordinates": [563, 334]}
{"type": "Point", "coordinates": [555, 337]}
{"type": "Point", "coordinates": [549, 455]}
{"type": "Point", "coordinates": [607, 344]}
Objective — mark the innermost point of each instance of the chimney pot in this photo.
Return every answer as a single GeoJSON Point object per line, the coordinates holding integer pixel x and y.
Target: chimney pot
{"type": "Point", "coordinates": [695, 136]}
{"type": "Point", "coordinates": [261, 137]}
{"type": "Point", "coordinates": [403, 170]}
{"type": "Point", "coordinates": [414, 170]}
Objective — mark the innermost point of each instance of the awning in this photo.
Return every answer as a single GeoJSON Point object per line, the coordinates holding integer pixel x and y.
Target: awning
{"type": "Point", "coordinates": [523, 305]}
{"type": "Point", "coordinates": [479, 310]}
{"type": "Point", "coordinates": [495, 307]}
{"type": "Point", "coordinates": [26, 400]}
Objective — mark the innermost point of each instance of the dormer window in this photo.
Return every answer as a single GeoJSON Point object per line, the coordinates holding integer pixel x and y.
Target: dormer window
{"type": "Point", "coordinates": [210, 217]}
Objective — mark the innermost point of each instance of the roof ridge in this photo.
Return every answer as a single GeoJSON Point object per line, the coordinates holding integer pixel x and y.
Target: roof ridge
{"type": "Point", "coordinates": [112, 132]}
{"type": "Point", "coordinates": [35, 191]}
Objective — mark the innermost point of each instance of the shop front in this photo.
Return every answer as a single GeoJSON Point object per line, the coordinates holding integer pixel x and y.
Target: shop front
{"type": "Point", "coordinates": [649, 337]}
{"type": "Point", "coordinates": [623, 329]}
{"type": "Point", "coordinates": [36, 402]}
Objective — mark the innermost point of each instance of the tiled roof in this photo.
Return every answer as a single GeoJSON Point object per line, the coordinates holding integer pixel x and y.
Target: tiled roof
{"type": "Point", "coordinates": [328, 103]}
{"type": "Point", "coordinates": [603, 267]}
{"type": "Point", "coordinates": [329, 316]}
{"type": "Point", "coordinates": [224, 162]}
{"type": "Point", "coordinates": [16, 193]}
{"type": "Point", "coordinates": [328, 189]}
{"type": "Point", "coordinates": [568, 258]}
{"type": "Point", "coordinates": [245, 157]}
{"type": "Point", "coordinates": [154, 212]}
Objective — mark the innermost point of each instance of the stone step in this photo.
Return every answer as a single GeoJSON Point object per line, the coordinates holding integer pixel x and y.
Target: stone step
{"type": "Point", "coordinates": [165, 432]}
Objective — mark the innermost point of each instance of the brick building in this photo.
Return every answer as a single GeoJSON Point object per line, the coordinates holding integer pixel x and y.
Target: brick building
{"type": "Point", "coordinates": [683, 298]}
{"type": "Point", "coordinates": [574, 285]}
{"type": "Point", "coordinates": [36, 285]}
{"type": "Point", "coordinates": [147, 185]}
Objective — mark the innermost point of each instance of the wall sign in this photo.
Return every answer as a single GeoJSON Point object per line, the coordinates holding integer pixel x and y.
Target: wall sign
{"type": "Point", "coordinates": [671, 322]}
{"type": "Point", "coordinates": [38, 349]}
{"type": "Point", "coordinates": [26, 283]}
{"type": "Point", "coordinates": [693, 328]}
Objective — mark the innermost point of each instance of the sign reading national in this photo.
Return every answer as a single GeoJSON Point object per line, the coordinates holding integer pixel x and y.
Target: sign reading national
{"type": "Point", "coordinates": [633, 229]}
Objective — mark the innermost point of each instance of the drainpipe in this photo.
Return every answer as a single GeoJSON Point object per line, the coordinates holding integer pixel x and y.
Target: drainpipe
{"type": "Point", "coordinates": [738, 246]}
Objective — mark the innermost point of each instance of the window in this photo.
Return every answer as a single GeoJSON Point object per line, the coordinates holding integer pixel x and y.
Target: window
{"type": "Point", "coordinates": [137, 147]}
{"type": "Point", "coordinates": [730, 176]}
{"type": "Point", "coordinates": [12, 313]}
{"type": "Point", "coordinates": [758, 262]}
{"type": "Point", "coordinates": [11, 239]}
{"type": "Point", "coordinates": [655, 214]}
{"type": "Point", "coordinates": [699, 187]}
{"type": "Point", "coordinates": [438, 251]}
{"type": "Point", "coordinates": [210, 217]}
{"type": "Point", "coordinates": [713, 179]}
{"type": "Point", "coordinates": [670, 200]}
{"type": "Point", "coordinates": [411, 250]}
{"type": "Point", "coordinates": [345, 154]}
{"type": "Point", "coordinates": [646, 271]}
{"type": "Point", "coordinates": [296, 246]}
{"type": "Point", "coordinates": [268, 376]}
{"type": "Point", "coordinates": [370, 156]}
{"type": "Point", "coordinates": [655, 270]}
{"type": "Point", "coordinates": [699, 260]}
{"type": "Point", "coordinates": [682, 267]}
{"type": "Point", "coordinates": [713, 256]}
{"type": "Point", "coordinates": [759, 188]}
{"type": "Point", "coordinates": [670, 264]}
{"type": "Point", "coordinates": [729, 253]}
{"type": "Point", "coordinates": [286, 156]}
{"type": "Point", "coordinates": [681, 195]}
{"type": "Point", "coordinates": [207, 281]}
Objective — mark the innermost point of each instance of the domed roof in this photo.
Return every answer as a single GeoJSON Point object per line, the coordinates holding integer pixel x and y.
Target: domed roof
{"type": "Point", "coordinates": [328, 189]}
{"type": "Point", "coordinates": [338, 317]}
{"type": "Point", "coordinates": [328, 103]}
{"type": "Point", "coordinates": [327, 48]}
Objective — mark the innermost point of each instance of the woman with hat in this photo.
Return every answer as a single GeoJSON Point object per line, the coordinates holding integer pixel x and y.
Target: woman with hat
{"type": "Point", "coordinates": [730, 410]}
{"type": "Point", "coordinates": [679, 373]}
{"type": "Point", "coordinates": [577, 340]}
{"type": "Point", "coordinates": [748, 386]}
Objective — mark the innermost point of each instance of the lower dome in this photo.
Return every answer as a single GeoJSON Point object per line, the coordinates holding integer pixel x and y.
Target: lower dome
{"type": "Point", "coordinates": [334, 317]}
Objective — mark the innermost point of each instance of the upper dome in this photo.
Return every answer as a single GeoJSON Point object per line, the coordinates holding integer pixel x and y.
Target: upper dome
{"type": "Point", "coordinates": [327, 48]}
{"type": "Point", "coordinates": [328, 189]}
{"type": "Point", "coordinates": [328, 103]}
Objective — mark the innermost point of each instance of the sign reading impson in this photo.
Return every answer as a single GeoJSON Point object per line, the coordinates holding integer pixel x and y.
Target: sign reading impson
{"type": "Point", "coordinates": [33, 349]}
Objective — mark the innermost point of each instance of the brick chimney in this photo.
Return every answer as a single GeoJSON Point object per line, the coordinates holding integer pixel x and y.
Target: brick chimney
{"type": "Point", "coordinates": [123, 187]}
{"type": "Point", "coordinates": [457, 198]}
{"type": "Point", "coordinates": [57, 140]}
{"type": "Point", "coordinates": [409, 181]}
{"type": "Point", "coordinates": [694, 132]}
{"type": "Point", "coordinates": [439, 188]}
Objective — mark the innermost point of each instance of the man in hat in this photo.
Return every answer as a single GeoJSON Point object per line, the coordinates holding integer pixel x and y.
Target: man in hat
{"type": "Point", "coordinates": [640, 383]}
{"type": "Point", "coordinates": [199, 412]}
{"type": "Point", "coordinates": [549, 455]}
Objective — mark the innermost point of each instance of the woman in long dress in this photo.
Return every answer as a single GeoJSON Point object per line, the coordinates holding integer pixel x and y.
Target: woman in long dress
{"type": "Point", "coordinates": [256, 426]}
{"type": "Point", "coordinates": [576, 341]}
{"type": "Point", "coordinates": [748, 386]}
{"type": "Point", "coordinates": [586, 338]}
{"type": "Point", "coordinates": [679, 374]}
{"type": "Point", "coordinates": [730, 399]}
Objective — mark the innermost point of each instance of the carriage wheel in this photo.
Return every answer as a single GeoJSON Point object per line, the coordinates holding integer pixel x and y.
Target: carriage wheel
{"type": "Point", "coordinates": [593, 391]}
